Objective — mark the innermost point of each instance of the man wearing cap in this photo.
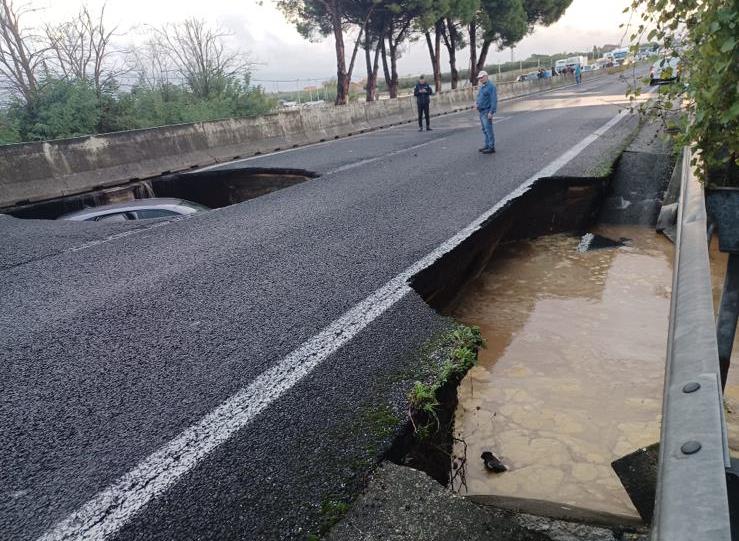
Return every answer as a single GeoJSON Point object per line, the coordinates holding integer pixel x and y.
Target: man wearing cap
{"type": "Point", "coordinates": [487, 104]}
{"type": "Point", "coordinates": [423, 94]}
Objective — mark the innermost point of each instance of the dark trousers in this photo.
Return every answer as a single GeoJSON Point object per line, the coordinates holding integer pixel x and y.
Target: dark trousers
{"type": "Point", "coordinates": [423, 109]}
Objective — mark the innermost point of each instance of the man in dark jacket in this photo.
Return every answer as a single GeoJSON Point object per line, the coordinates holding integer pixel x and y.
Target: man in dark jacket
{"type": "Point", "coordinates": [423, 94]}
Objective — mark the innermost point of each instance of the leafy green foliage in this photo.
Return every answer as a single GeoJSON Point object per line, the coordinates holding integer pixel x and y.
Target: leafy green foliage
{"type": "Point", "coordinates": [506, 22]}
{"type": "Point", "coordinates": [69, 108]}
{"type": "Point", "coordinates": [423, 397]}
{"type": "Point", "coordinates": [503, 21]}
{"type": "Point", "coordinates": [468, 337]}
{"type": "Point", "coordinates": [545, 12]}
{"type": "Point", "coordinates": [462, 343]}
{"type": "Point", "coordinates": [703, 34]}
{"type": "Point", "coordinates": [60, 109]}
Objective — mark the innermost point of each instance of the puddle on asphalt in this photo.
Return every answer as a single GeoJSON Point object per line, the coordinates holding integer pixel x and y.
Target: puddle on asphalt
{"type": "Point", "coordinates": [572, 375]}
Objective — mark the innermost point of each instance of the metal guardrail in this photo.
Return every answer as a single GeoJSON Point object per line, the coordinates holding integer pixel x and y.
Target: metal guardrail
{"type": "Point", "coordinates": [692, 501]}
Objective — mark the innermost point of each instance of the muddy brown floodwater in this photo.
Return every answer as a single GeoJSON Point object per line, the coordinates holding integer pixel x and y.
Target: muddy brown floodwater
{"type": "Point", "coordinates": [572, 375]}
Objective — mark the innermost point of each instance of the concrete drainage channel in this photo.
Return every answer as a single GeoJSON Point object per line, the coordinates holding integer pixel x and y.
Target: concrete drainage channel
{"type": "Point", "coordinates": [596, 215]}
{"type": "Point", "coordinates": [214, 188]}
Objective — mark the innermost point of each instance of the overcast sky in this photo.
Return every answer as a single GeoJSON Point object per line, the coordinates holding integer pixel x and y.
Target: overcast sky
{"type": "Point", "coordinates": [282, 54]}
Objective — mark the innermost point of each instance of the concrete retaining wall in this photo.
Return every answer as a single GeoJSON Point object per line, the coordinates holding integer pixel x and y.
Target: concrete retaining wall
{"type": "Point", "coordinates": [45, 170]}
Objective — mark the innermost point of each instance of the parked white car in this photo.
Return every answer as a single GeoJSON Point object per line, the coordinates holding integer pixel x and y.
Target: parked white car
{"type": "Point", "coordinates": [138, 209]}
{"type": "Point", "coordinates": [665, 70]}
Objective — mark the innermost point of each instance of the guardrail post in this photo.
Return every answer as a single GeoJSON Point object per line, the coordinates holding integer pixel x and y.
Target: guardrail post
{"type": "Point", "coordinates": [732, 486]}
{"type": "Point", "coordinates": [727, 316]}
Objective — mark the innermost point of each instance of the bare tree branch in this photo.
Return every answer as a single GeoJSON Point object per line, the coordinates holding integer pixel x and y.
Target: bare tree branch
{"type": "Point", "coordinates": [199, 54]}
{"type": "Point", "coordinates": [82, 49]}
{"type": "Point", "coordinates": [22, 53]}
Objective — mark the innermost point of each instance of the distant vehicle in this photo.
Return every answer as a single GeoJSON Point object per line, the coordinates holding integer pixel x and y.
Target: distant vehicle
{"type": "Point", "coordinates": [586, 69]}
{"type": "Point", "coordinates": [664, 71]}
{"type": "Point", "coordinates": [574, 61]}
{"type": "Point", "coordinates": [621, 56]}
{"type": "Point", "coordinates": [138, 209]}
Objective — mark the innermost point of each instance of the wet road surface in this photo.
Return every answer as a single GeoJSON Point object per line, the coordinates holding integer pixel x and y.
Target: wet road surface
{"type": "Point", "coordinates": [117, 341]}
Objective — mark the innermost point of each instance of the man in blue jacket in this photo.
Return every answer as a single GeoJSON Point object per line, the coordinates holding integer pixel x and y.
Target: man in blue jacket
{"type": "Point", "coordinates": [487, 105]}
{"type": "Point", "coordinates": [423, 94]}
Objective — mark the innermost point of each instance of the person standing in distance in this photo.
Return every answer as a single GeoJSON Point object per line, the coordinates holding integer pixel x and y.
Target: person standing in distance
{"type": "Point", "coordinates": [423, 94]}
{"type": "Point", "coordinates": [487, 105]}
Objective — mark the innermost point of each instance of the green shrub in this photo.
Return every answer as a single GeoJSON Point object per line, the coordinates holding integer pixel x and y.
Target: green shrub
{"type": "Point", "coordinates": [703, 34]}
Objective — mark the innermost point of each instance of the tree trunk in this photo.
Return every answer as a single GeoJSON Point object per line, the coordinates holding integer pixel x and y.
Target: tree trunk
{"type": "Point", "coordinates": [432, 55]}
{"type": "Point", "coordinates": [437, 45]}
{"type": "Point", "coordinates": [435, 55]}
{"type": "Point", "coordinates": [474, 70]}
{"type": "Point", "coordinates": [450, 42]}
{"type": "Point", "coordinates": [375, 68]}
{"type": "Point", "coordinates": [385, 68]}
{"type": "Point", "coordinates": [453, 68]}
{"type": "Point", "coordinates": [353, 60]}
{"type": "Point", "coordinates": [342, 79]}
{"type": "Point", "coordinates": [372, 64]}
{"type": "Point", "coordinates": [369, 94]}
{"type": "Point", "coordinates": [393, 68]}
{"type": "Point", "coordinates": [483, 55]}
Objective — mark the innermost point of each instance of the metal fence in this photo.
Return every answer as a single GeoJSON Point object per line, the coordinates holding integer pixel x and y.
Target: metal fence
{"type": "Point", "coordinates": [692, 500]}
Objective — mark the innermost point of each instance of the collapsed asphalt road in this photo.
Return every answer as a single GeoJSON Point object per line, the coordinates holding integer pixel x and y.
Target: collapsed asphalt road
{"type": "Point", "coordinates": [195, 379]}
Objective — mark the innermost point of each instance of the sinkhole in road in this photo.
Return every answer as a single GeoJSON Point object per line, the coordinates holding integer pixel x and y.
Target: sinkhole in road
{"type": "Point", "coordinates": [550, 205]}
{"type": "Point", "coordinates": [214, 188]}
{"type": "Point", "coordinates": [571, 378]}
{"type": "Point", "coordinates": [571, 291]}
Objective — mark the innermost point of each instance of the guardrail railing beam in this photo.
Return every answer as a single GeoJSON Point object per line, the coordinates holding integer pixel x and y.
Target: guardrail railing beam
{"type": "Point", "coordinates": [692, 501]}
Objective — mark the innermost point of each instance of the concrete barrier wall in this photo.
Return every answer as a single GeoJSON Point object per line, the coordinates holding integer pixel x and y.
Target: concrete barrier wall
{"type": "Point", "coordinates": [45, 170]}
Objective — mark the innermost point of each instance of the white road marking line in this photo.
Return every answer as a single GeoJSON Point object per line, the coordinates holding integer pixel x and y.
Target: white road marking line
{"type": "Point", "coordinates": [111, 509]}
{"type": "Point", "coordinates": [366, 161]}
{"type": "Point", "coordinates": [95, 242]}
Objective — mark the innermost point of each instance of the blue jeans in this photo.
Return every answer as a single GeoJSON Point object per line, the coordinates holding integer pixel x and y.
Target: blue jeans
{"type": "Point", "coordinates": [487, 129]}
